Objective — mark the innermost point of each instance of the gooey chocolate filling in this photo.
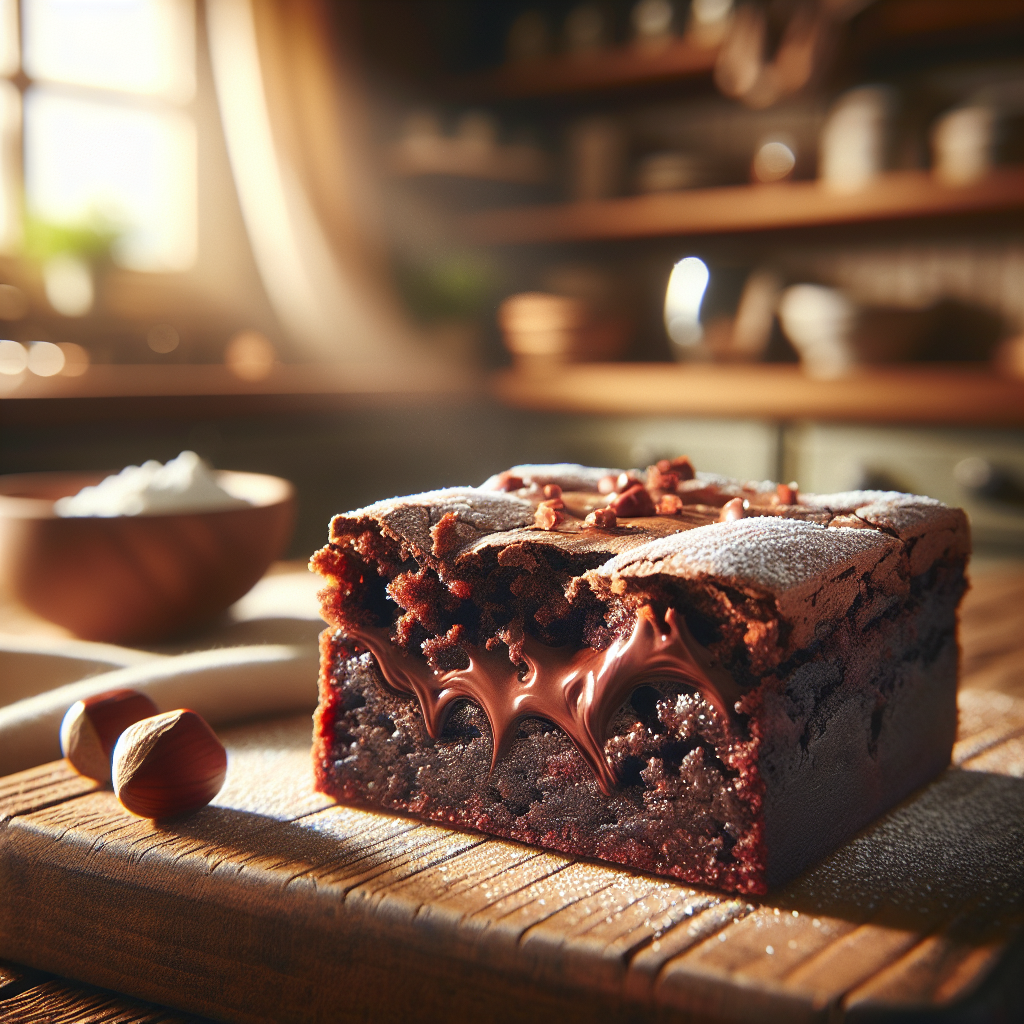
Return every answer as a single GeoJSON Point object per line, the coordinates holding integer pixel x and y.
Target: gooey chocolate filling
{"type": "Point", "coordinates": [577, 691]}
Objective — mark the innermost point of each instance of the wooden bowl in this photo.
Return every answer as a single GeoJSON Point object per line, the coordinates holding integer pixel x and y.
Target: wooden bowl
{"type": "Point", "coordinates": [134, 579]}
{"type": "Point", "coordinates": [542, 330]}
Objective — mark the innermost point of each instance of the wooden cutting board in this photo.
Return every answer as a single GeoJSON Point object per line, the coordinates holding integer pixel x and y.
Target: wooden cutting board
{"type": "Point", "coordinates": [276, 905]}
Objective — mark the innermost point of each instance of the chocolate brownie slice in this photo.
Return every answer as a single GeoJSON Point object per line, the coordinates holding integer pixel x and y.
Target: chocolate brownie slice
{"type": "Point", "coordinates": [706, 679]}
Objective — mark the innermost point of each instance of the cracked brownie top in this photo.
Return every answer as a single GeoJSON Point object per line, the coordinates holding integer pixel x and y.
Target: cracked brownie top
{"type": "Point", "coordinates": [541, 551]}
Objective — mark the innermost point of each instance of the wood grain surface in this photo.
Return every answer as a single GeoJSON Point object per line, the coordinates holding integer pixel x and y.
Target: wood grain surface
{"type": "Point", "coordinates": [275, 905]}
{"type": "Point", "coordinates": [55, 1001]}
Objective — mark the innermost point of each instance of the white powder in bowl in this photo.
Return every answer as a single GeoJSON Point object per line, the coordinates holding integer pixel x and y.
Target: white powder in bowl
{"type": "Point", "coordinates": [185, 484]}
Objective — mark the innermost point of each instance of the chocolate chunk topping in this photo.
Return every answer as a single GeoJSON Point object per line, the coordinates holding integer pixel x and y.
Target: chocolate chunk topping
{"type": "Point", "coordinates": [632, 502]}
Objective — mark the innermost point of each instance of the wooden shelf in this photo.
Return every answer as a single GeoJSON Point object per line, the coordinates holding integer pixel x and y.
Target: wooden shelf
{"type": "Point", "coordinates": [680, 58]}
{"type": "Point", "coordinates": [153, 380]}
{"type": "Point", "coordinates": [949, 394]}
{"type": "Point", "coordinates": [615, 68]}
{"type": "Point", "coordinates": [195, 391]}
{"type": "Point", "coordinates": [911, 19]}
{"type": "Point", "coordinates": [900, 195]}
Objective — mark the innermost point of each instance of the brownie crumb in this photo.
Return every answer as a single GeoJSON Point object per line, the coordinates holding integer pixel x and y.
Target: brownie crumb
{"type": "Point", "coordinates": [549, 514]}
{"type": "Point", "coordinates": [446, 653]}
{"type": "Point", "coordinates": [603, 518]}
{"type": "Point", "coordinates": [669, 505]}
{"type": "Point", "coordinates": [445, 536]}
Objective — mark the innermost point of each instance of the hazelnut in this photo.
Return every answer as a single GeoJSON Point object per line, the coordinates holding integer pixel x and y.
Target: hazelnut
{"type": "Point", "coordinates": [91, 728]}
{"type": "Point", "coordinates": [661, 480]}
{"type": "Point", "coordinates": [168, 764]}
{"type": "Point", "coordinates": [509, 482]}
{"type": "Point", "coordinates": [552, 491]}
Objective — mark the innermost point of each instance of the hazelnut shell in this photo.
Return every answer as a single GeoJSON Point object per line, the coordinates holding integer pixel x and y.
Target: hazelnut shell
{"type": "Point", "coordinates": [168, 764]}
{"type": "Point", "coordinates": [91, 727]}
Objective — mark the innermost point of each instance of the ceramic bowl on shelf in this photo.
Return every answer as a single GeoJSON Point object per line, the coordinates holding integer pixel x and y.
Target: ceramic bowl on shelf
{"type": "Point", "coordinates": [137, 579]}
{"type": "Point", "coordinates": [541, 330]}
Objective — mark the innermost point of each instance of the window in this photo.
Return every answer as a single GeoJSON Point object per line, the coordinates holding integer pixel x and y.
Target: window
{"type": "Point", "coordinates": [96, 124]}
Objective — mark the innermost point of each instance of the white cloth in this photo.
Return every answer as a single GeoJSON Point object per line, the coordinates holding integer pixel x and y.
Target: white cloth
{"type": "Point", "coordinates": [261, 660]}
{"type": "Point", "coordinates": [228, 684]}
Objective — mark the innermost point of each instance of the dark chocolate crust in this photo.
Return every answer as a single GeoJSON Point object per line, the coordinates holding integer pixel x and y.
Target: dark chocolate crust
{"type": "Point", "coordinates": [836, 619]}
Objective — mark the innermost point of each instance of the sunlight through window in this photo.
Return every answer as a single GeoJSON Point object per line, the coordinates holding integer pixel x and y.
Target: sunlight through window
{"type": "Point", "coordinates": [10, 55]}
{"type": "Point", "coordinates": [10, 165]}
{"type": "Point", "coordinates": [118, 166]}
{"type": "Point", "coordinates": [138, 46]}
{"type": "Point", "coordinates": [108, 139]}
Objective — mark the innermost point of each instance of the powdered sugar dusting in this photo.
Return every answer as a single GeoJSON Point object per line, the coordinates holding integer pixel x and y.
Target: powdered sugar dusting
{"type": "Point", "coordinates": [731, 484]}
{"type": "Point", "coordinates": [767, 551]}
{"type": "Point", "coordinates": [484, 510]}
{"type": "Point", "coordinates": [776, 553]}
{"type": "Point", "coordinates": [568, 475]}
{"type": "Point", "coordinates": [850, 501]}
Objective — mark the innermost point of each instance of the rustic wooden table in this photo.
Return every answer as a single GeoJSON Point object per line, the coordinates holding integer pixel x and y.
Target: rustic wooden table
{"type": "Point", "coordinates": [275, 905]}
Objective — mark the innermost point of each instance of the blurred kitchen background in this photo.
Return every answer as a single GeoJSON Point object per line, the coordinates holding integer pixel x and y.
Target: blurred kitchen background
{"type": "Point", "coordinates": [379, 246]}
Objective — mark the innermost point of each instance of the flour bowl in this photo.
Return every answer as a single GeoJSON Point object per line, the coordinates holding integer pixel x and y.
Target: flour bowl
{"type": "Point", "coordinates": [137, 579]}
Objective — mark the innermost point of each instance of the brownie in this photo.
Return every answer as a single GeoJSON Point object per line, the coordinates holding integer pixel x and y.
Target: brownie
{"type": "Point", "coordinates": [706, 679]}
